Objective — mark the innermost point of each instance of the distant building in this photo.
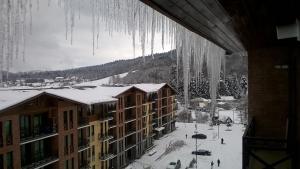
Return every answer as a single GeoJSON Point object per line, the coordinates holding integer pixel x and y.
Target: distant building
{"type": "Point", "coordinates": [100, 127]}
{"type": "Point", "coordinates": [59, 79]}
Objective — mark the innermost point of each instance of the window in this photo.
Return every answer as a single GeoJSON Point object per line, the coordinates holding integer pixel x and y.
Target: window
{"type": "Point", "coordinates": [1, 161]}
{"type": "Point", "coordinates": [9, 160]}
{"type": "Point", "coordinates": [38, 150]}
{"type": "Point", "coordinates": [1, 137]}
{"type": "Point", "coordinates": [71, 118]}
{"type": "Point", "coordinates": [93, 109]}
{"type": "Point", "coordinates": [92, 128]}
{"type": "Point", "coordinates": [8, 132]}
{"type": "Point", "coordinates": [65, 120]}
{"type": "Point", "coordinates": [66, 144]}
{"type": "Point", "coordinates": [93, 153]}
{"type": "Point", "coordinates": [66, 164]}
{"type": "Point", "coordinates": [72, 163]}
{"type": "Point", "coordinates": [25, 126]}
{"type": "Point", "coordinates": [71, 144]}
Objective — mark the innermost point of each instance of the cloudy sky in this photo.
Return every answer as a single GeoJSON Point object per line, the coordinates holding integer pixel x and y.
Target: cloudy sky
{"type": "Point", "coordinates": [48, 49]}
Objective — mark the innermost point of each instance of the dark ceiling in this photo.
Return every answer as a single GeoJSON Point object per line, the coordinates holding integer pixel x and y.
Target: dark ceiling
{"type": "Point", "coordinates": [235, 25]}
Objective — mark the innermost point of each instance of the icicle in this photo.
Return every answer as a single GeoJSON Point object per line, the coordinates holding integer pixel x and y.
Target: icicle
{"type": "Point", "coordinates": [66, 10]}
{"type": "Point", "coordinates": [153, 32]}
{"type": "Point", "coordinates": [93, 24]}
{"type": "Point", "coordinates": [30, 12]}
{"type": "Point", "coordinates": [37, 5]}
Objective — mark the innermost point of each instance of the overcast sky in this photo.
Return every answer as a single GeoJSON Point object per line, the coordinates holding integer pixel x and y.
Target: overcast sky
{"type": "Point", "coordinates": [48, 49]}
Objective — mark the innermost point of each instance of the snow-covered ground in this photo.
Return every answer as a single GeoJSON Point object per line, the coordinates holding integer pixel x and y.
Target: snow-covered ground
{"type": "Point", "coordinates": [230, 153]}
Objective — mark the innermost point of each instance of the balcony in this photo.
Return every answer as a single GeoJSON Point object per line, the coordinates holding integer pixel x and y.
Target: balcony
{"type": "Point", "coordinates": [112, 122]}
{"type": "Point", "coordinates": [104, 137]}
{"type": "Point", "coordinates": [83, 122]}
{"type": "Point", "coordinates": [113, 140]}
{"type": "Point", "coordinates": [42, 163]}
{"type": "Point", "coordinates": [38, 134]}
{"type": "Point", "coordinates": [108, 118]}
{"type": "Point", "coordinates": [129, 133]}
{"type": "Point", "coordinates": [84, 164]}
{"type": "Point", "coordinates": [130, 146]}
{"type": "Point", "coordinates": [105, 157]}
{"type": "Point", "coordinates": [83, 144]}
{"type": "Point", "coordinates": [261, 152]}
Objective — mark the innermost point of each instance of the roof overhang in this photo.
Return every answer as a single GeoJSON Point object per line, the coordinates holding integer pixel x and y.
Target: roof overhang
{"type": "Point", "coordinates": [204, 17]}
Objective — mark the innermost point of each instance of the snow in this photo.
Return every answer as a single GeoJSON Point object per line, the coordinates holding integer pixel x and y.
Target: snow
{"type": "Point", "coordinates": [193, 114]}
{"type": "Point", "coordinates": [227, 98]}
{"type": "Point", "coordinates": [10, 98]}
{"type": "Point", "coordinates": [233, 114]}
{"type": "Point", "coordinates": [149, 87]}
{"type": "Point", "coordinates": [87, 96]}
{"type": "Point", "coordinates": [159, 128]}
{"type": "Point", "coordinates": [100, 82]}
{"type": "Point", "coordinates": [81, 94]}
{"type": "Point", "coordinates": [230, 153]}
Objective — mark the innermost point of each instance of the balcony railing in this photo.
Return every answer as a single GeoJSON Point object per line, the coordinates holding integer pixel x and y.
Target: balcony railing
{"type": "Point", "coordinates": [252, 144]}
{"type": "Point", "coordinates": [41, 163]}
{"type": "Point", "coordinates": [130, 119]}
{"type": "Point", "coordinates": [84, 164]}
{"type": "Point", "coordinates": [103, 137]}
{"type": "Point", "coordinates": [82, 121]}
{"type": "Point", "coordinates": [105, 157]}
{"type": "Point", "coordinates": [39, 132]}
{"type": "Point", "coordinates": [83, 143]}
{"type": "Point", "coordinates": [129, 133]}
{"type": "Point", "coordinates": [108, 118]}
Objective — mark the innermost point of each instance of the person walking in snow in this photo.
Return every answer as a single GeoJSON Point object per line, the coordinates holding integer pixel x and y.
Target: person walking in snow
{"type": "Point", "coordinates": [211, 164]}
{"type": "Point", "coordinates": [218, 161]}
{"type": "Point", "coordinates": [185, 136]}
{"type": "Point", "coordinates": [222, 141]}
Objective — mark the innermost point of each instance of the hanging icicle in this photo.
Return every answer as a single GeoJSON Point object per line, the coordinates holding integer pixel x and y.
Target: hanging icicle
{"type": "Point", "coordinates": [130, 17]}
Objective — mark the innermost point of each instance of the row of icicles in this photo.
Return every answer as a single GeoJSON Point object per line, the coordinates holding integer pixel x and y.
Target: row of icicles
{"type": "Point", "coordinates": [131, 17]}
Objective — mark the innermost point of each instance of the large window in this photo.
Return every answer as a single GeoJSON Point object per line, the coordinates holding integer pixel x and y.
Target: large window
{"type": "Point", "coordinates": [65, 120]}
{"type": "Point", "coordinates": [38, 150]}
{"type": "Point", "coordinates": [1, 136]}
{"type": "Point", "coordinates": [37, 124]}
{"type": "Point", "coordinates": [71, 118]}
{"type": "Point", "coordinates": [8, 132]}
{"type": "Point", "coordinates": [9, 160]}
{"type": "Point", "coordinates": [1, 161]}
{"type": "Point", "coordinates": [25, 126]}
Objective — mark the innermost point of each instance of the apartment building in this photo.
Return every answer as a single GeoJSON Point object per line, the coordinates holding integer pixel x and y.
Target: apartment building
{"type": "Point", "coordinates": [162, 97]}
{"type": "Point", "coordinates": [90, 127]}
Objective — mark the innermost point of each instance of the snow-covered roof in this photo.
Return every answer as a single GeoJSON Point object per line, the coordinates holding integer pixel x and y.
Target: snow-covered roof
{"type": "Point", "coordinates": [10, 98]}
{"type": "Point", "coordinates": [149, 87]}
{"type": "Point", "coordinates": [84, 95]}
